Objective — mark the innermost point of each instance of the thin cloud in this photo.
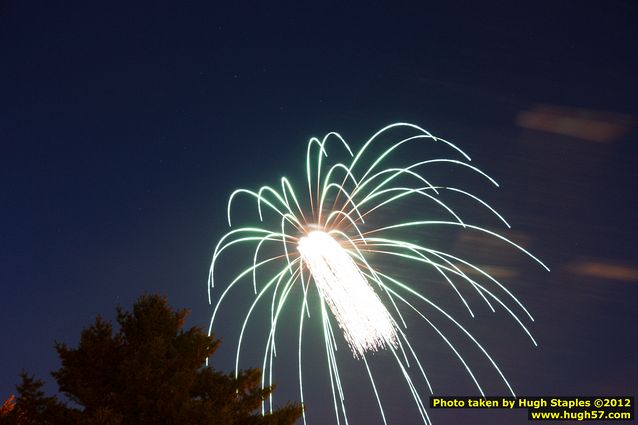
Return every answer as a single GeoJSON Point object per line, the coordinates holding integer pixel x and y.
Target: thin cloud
{"type": "Point", "coordinates": [585, 124]}
{"type": "Point", "coordinates": [604, 270]}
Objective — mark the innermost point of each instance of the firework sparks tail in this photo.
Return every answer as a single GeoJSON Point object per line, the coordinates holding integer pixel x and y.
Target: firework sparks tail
{"type": "Point", "coordinates": [451, 223]}
{"type": "Point", "coordinates": [397, 172]}
{"type": "Point", "coordinates": [265, 289]}
{"type": "Point", "coordinates": [480, 288]}
{"type": "Point", "coordinates": [286, 186]}
{"type": "Point", "coordinates": [464, 164]}
{"type": "Point", "coordinates": [230, 286]}
{"type": "Point", "coordinates": [275, 311]}
{"type": "Point", "coordinates": [329, 351]}
{"type": "Point", "coordinates": [418, 362]}
{"type": "Point", "coordinates": [447, 341]}
{"type": "Point", "coordinates": [413, 390]}
{"type": "Point", "coordinates": [366, 324]}
{"type": "Point", "coordinates": [444, 338]}
{"type": "Point", "coordinates": [463, 275]}
{"type": "Point", "coordinates": [273, 328]}
{"type": "Point", "coordinates": [304, 307]}
{"type": "Point", "coordinates": [449, 317]}
{"type": "Point", "coordinates": [340, 189]}
{"type": "Point", "coordinates": [354, 224]}
{"type": "Point", "coordinates": [374, 388]}
{"type": "Point", "coordinates": [221, 247]}
{"type": "Point", "coordinates": [408, 170]}
{"type": "Point", "coordinates": [388, 151]}
{"type": "Point", "coordinates": [409, 191]}
{"type": "Point", "coordinates": [437, 266]}
{"type": "Point", "coordinates": [490, 277]}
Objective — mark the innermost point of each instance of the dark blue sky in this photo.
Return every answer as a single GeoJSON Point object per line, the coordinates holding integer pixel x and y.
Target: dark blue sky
{"type": "Point", "coordinates": [124, 126]}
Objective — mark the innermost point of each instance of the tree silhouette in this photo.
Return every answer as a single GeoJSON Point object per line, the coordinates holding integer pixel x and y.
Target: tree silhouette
{"type": "Point", "coordinates": [32, 406]}
{"type": "Point", "coordinates": [150, 372]}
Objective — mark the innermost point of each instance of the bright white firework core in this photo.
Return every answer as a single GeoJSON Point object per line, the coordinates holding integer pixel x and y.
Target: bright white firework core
{"type": "Point", "coordinates": [364, 320]}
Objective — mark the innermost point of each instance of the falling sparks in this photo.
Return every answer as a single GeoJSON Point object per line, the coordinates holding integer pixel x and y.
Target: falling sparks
{"type": "Point", "coordinates": [364, 320]}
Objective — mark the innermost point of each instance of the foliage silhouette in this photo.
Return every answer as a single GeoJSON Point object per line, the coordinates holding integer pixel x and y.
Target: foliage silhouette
{"type": "Point", "coordinates": [149, 372]}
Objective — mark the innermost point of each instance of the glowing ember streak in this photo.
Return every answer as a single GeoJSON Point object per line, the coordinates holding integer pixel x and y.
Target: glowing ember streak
{"type": "Point", "coordinates": [366, 323]}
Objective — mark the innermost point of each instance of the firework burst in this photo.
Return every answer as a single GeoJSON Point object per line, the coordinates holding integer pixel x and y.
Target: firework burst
{"type": "Point", "coordinates": [324, 241]}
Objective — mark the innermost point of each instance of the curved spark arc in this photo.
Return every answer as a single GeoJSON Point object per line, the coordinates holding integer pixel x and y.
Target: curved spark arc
{"type": "Point", "coordinates": [341, 197]}
{"type": "Point", "coordinates": [304, 306]}
{"type": "Point", "coordinates": [287, 289]}
{"type": "Point", "coordinates": [449, 317]}
{"type": "Point", "coordinates": [475, 284]}
{"type": "Point", "coordinates": [437, 266]}
{"type": "Point", "coordinates": [490, 277]}
{"type": "Point", "coordinates": [376, 191]}
{"type": "Point", "coordinates": [231, 285]}
{"type": "Point", "coordinates": [411, 349]}
{"type": "Point", "coordinates": [374, 388]}
{"type": "Point", "coordinates": [442, 255]}
{"type": "Point", "coordinates": [263, 291]}
{"type": "Point", "coordinates": [452, 223]}
{"type": "Point", "coordinates": [408, 170]}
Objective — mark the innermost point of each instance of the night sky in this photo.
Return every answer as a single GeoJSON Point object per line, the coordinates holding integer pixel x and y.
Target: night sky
{"type": "Point", "coordinates": [124, 127]}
